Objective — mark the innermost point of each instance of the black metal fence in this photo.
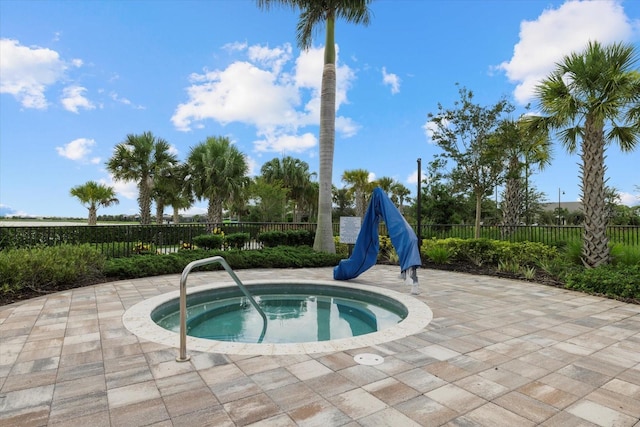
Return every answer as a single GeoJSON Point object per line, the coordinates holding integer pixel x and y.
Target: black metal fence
{"type": "Point", "coordinates": [124, 239]}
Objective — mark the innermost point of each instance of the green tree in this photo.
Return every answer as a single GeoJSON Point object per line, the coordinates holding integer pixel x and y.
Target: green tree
{"type": "Point", "coordinates": [343, 201]}
{"type": "Point", "coordinates": [294, 176]}
{"type": "Point", "coordinates": [396, 191]}
{"type": "Point", "coordinates": [524, 150]}
{"type": "Point", "coordinates": [173, 189]}
{"type": "Point", "coordinates": [592, 99]}
{"type": "Point", "coordinates": [465, 135]}
{"type": "Point", "coordinates": [141, 158]}
{"type": "Point", "coordinates": [218, 172]}
{"type": "Point", "coordinates": [268, 200]}
{"type": "Point", "coordinates": [314, 13]}
{"type": "Point", "coordinates": [399, 194]}
{"type": "Point", "coordinates": [93, 195]}
{"type": "Point", "coordinates": [358, 185]}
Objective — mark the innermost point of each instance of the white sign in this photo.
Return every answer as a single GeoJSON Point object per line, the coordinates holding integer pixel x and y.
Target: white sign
{"type": "Point", "coordinates": [349, 229]}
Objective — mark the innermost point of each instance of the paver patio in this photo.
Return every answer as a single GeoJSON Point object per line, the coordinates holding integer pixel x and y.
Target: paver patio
{"type": "Point", "coordinates": [497, 353]}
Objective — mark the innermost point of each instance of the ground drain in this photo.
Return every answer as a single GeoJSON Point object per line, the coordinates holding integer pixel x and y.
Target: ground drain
{"type": "Point", "coordinates": [368, 359]}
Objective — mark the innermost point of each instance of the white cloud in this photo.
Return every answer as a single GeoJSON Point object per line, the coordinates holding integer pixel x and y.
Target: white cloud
{"type": "Point", "coordinates": [28, 71]}
{"type": "Point", "coordinates": [346, 126]}
{"type": "Point", "coordinates": [128, 189]}
{"type": "Point", "coordinates": [392, 80]}
{"type": "Point", "coordinates": [371, 177]}
{"type": "Point", "coordinates": [271, 58]}
{"type": "Point", "coordinates": [629, 199]}
{"type": "Point", "coordinates": [413, 178]}
{"type": "Point", "coordinates": [559, 32]}
{"type": "Point", "coordinates": [79, 150]}
{"type": "Point", "coordinates": [243, 93]}
{"type": "Point", "coordinates": [125, 101]}
{"type": "Point", "coordinates": [253, 166]}
{"type": "Point", "coordinates": [286, 143]}
{"type": "Point", "coordinates": [268, 90]}
{"type": "Point", "coordinates": [73, 98]}
{"type": "Point", "coordinates": [173, 150]}
{"type": "Point", "coordinates": [430, 127]}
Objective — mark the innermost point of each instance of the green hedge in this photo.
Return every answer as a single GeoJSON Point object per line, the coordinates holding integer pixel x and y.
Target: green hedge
{"type": "Point", "coordinates": [270, 239]}
{"type": "Point", "coordinates": [278, 257]}
{"type": "Point", "coordinates": [487, 252]}
{"type": "Point", "coordinates": [46, 269]}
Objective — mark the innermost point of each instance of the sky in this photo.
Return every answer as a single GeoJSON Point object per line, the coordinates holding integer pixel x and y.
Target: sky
{"type": "Point", "coordinates": [77, 77]}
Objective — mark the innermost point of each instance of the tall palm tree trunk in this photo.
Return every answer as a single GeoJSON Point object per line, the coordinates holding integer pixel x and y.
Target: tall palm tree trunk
{"type": "Point", "coordinates": [159, 211]}
{"type": "Point", "coordinates": [324, 233]}
{"type": "Point", "coordinates": [144, 200]}
{"type": "Point", "coordinates": [512, 204]}
{"type": "Point", "coordinates": [595, 246]}
{"type": "Point", "coordinates": [214, 211]}
{"type": "Point", "coordinates": [93, 215]}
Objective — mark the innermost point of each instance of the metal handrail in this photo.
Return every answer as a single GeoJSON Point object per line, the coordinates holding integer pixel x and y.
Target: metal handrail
{"type": "Point", "coordinates": [183, 300]}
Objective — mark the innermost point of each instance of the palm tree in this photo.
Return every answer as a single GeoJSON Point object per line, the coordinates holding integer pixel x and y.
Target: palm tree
{"type": "Point", "coordinates": [172, 188]}
{"type": "Point", "coordinates": [218, 172]}
{"type": "Point", "coordinates": [293, 174]}
{"type": "Point", "coordinates": [399, 193]}
{"type": "Point", "coordinates": [141, 158]}
{"type": "Point", "coordinates": [343, 200]}
{"type": "Point", "coordinates": [357, 181]}
{"type": "Point", "coordinates": [94, 195]}
{"type": "Point", "coordinates": [313, 13]}
{"type": "Point", "coordinates": [524, 149]}
{"type": "Point", "coordinates": [385, 183]}
{"type": "Point", "coordinates": [592, 99]}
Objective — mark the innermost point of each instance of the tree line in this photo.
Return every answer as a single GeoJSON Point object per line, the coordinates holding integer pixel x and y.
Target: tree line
{"type": "Point", "coordinates": [215, 171]}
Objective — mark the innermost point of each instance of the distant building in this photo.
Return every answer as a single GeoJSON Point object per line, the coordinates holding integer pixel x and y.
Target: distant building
{"type": "Point", "coordinates": [568, 206]}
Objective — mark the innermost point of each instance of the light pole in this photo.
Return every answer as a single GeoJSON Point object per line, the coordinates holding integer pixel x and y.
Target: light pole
{"type": "Point", "coordinates": [559, 208]}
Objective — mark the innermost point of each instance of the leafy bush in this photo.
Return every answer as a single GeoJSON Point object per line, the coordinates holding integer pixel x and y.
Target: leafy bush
{"type": "Point", "coordinates": [487, 252]}
{"type": "Point", "coordinates": [341, 248]}
{"type": "Point", "coordinates": [46, 269]}
{"type": "Point", "coordinates": [438, 254]}
{"type": "Point", "coordinates": [623, 282]}
{"type": "Point", "coordinates": [625, 255]}
{"type": "Point", "coordinates": [209, 241]}
{"type": "Point", "coordinates": [173, 263]}
{"type": "Point", "coordinates": [272, 239]}
{"type": "Point", "coordinates": [236, 240]}
{"type": "Point", "coordinates": [572, 251]}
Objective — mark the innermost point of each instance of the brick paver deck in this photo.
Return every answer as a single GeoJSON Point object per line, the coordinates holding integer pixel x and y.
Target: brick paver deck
{"type": "Point", "coordinates": [497, 353]}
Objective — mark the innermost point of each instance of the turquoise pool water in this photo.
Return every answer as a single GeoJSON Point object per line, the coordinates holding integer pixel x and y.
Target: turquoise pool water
{"type": "Point", "coordinates": [295, 313]}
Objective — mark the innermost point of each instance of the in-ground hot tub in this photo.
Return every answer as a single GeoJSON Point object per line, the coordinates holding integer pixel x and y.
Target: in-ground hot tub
{"type": "Point", "coordinates": [302, 317]}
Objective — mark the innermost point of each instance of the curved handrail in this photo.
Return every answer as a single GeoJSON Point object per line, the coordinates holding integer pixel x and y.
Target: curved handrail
{"type": "Point", "coordinates": [183, 300]}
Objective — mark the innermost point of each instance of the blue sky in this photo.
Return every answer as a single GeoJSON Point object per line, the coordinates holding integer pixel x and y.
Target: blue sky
{"type": "Point", "coordinates": [77, 76]}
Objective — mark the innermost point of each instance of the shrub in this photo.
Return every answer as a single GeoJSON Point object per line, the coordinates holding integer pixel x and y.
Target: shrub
{"type": "Point", "coordinates": [622, 255]}
{"type": "Point", "coordinates": [272, 239]}
{"type": "Point", "coordinates": [341, 248]}
{"type": "Point", "coordinates": [438, 254]}
{"type": "Point", "coordinates": [237, 240]}
{"type": "Point", "coordinates": [572, 251]}
{"type": "Point", "coordinates": [174, 263]}
{"type": "Point", "coordinates": [488, 252]}
{"type": "Point", "coordinates": [209, 241]}
{"type": "Point", "coordinates": [47, 269]}
{"type": "Point", "coordinates": [623, 282]}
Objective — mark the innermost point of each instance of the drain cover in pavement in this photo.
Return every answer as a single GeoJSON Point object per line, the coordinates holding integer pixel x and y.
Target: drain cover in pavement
{"type": "Point", "coordinates": [368, 359]}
